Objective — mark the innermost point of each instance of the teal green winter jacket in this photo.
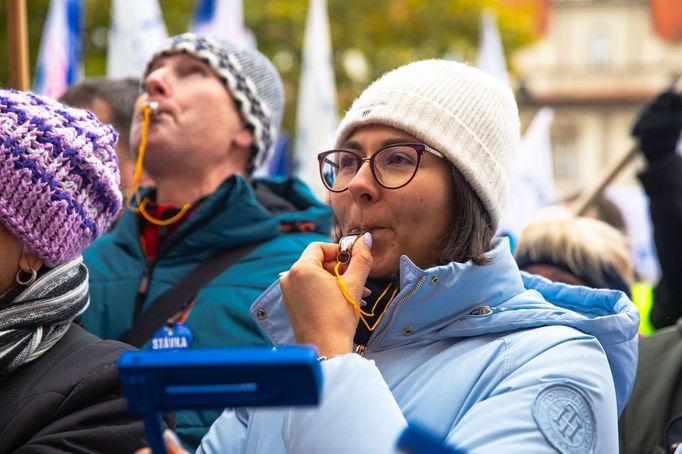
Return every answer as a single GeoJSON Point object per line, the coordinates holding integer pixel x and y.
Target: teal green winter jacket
{"type": "Point", "coordinates": [232, 216]}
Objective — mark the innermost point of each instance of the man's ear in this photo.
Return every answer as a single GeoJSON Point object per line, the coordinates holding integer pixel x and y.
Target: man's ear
{"type": "Point", "coordinates": [244, 138]}
{"type": "Point", "coordinates": [29, 261]}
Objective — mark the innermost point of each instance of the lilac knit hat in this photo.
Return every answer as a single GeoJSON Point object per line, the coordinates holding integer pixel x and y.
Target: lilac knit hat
{"type": "Point", "coordinates": [58, 175]}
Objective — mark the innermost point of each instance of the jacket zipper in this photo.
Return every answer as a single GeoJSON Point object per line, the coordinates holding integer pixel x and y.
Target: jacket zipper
{"type": "Point", "coordinates": [142, 288]}
{"type": "Point", "coordinates": [362, 349]}
{"type": "Point", "coordinates": [149, 265]}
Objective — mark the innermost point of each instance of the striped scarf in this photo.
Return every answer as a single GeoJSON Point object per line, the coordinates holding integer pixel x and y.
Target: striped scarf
{"type": "Point", "coordinates": [33, 318]}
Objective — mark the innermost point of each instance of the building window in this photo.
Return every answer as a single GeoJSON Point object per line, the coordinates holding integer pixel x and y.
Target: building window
{"type": "Point", "coordinates": [565, 156]}
{"type": "Point", "coordinates": [600, 51]}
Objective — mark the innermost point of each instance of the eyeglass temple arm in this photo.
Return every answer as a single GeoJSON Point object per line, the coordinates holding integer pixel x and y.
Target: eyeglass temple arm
{"type": "Point", "coordinates": [435, 152]}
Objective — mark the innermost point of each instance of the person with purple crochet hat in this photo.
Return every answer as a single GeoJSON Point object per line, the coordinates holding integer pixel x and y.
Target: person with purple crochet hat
{"type": "Point", "coordinates": [59, 191]}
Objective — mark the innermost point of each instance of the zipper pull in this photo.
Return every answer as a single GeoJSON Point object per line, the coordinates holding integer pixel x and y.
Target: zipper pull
{"type": "Point", "coordinates": [142, 290]}
{"type": "Point", "coordinates": [144, 281]}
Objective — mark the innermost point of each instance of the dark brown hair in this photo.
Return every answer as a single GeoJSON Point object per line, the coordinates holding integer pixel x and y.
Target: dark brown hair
{"type": "Point", "coordinates": [470, 233]}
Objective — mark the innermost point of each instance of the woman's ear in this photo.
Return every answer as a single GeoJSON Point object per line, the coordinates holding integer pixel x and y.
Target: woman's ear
{"type": "Point", "coordinates": [29, 261]}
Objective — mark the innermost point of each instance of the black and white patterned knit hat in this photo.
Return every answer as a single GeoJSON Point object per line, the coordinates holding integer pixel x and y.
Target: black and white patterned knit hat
{"type": "Point", "coordinates": [250, 78]}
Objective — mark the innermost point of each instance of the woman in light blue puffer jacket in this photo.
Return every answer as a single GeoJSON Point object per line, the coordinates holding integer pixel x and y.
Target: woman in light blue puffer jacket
{"type": "Point", "coordinates": [452, 337]}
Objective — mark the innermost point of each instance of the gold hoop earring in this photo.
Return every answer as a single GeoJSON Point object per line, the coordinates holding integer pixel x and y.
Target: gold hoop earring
{"type": "Point", "coordinates": [29, 281]}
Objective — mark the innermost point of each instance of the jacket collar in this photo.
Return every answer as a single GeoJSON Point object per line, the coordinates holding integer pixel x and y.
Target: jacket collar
{"type": "Point", "coordinates": [462, 300]}
{"type": "Point", "coordinates": [428, 302]}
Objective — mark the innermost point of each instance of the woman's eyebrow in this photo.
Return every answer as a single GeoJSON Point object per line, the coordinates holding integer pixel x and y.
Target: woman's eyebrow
{"type": "Point", "coordinates": [394, 141]}
{"type": "Point", "coordinates": [354, 145]}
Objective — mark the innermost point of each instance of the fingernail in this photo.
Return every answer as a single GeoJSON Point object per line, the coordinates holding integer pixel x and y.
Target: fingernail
{"type": "Point", "coordinates": [367, 292]}
{"type": "Point", "coordinates": [174, 438]}
{"type": "Point", "coordinates": [368, 239]}
{"type": "Point", "coordinates": [363, 303]}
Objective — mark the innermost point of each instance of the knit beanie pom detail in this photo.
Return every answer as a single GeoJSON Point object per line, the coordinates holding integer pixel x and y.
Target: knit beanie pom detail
{"type": "Point", "coordinates": [464, 113]}
{"type": "Point", "coordinates": [59, 179]}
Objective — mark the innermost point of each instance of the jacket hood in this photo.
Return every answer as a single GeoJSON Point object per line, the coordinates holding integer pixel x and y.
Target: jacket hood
{"type": "Point", "coordinates": [293, 203]}
{"type": "Point", "coordinates": [460, 300]}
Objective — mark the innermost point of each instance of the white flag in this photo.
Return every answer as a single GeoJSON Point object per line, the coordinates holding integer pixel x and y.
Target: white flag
{"type": "Point", "coordinates": [136, 30]}
{"type": "Point", "coordinates": [59, 59]}
{"type": "Point", "coordinates": [634, 206]}
{"type": "Point", "coordinates": [490, 51]}
{"type": "Point", "coordinates": [222, 19]}
{"type": "Point", "coordinates": [533, 185]}
{"type": "Point", "coordinates": [316, 119]}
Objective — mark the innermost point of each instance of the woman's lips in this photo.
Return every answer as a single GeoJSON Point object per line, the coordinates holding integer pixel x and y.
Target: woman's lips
{"type": "Point", "coordinates": [361, 230]}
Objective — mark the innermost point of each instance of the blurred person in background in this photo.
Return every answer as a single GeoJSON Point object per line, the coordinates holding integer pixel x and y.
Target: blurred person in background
{"type": "Point", "coordinates": [576, 251]}
{"type": "Point", "coordinates": [652, 421]}
{"type": "Point", "coordinates": [59, 384]}
{"type": "Point", "coordinates": [218, 114]}
{"type": "Point", "coordinates": [113, 102]}
{"type": "Point", "coordinates": [657, 130]}
{"type": "Point", "coordinates": [606, 210]}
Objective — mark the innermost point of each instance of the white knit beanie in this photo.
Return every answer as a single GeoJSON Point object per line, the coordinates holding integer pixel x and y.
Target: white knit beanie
{"type": "Point", "coordinates": [466, 114]}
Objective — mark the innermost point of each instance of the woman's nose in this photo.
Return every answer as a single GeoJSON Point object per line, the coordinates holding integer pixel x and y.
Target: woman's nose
{"type": "Point", "coordinates": [363, 186]}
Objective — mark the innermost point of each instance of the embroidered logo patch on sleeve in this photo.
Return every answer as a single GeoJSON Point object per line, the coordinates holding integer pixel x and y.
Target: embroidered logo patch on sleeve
{"type": "Point", "coordinates": [565, 418]}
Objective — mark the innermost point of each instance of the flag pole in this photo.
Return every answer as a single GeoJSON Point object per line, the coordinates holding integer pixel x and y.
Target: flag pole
{"type": "Point", "coordinates": [586, 199]}
{"type": "Point", "coordinates": [18, 44]}
{"type": "Point", "coordinates": [580, 206]}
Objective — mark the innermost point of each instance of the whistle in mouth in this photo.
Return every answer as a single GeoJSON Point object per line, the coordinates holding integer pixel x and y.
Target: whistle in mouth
{"type": "Point", "coordinates": [346, 247]}
{"type": "Point", "coordinates": [153, 107]}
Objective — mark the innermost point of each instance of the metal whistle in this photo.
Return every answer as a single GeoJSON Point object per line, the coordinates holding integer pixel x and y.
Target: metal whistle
{"type": "Point", "coordinates": [153, 106]}
{"type": "Point", "coordinates": [346, 246]}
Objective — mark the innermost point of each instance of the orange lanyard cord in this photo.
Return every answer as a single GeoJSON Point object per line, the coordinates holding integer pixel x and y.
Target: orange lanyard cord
{"type": "Point", "coordinates": [356, 306]}
{"type": "Point", "coordinates": [141, 207]}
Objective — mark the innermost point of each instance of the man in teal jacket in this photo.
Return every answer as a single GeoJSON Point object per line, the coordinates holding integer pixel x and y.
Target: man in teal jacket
{"type": "Point", "coordinates": [218, 110]}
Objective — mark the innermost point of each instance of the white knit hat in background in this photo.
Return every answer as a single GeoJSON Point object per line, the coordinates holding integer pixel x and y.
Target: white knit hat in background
{"type": "Point", "coordinates": [466, 114]}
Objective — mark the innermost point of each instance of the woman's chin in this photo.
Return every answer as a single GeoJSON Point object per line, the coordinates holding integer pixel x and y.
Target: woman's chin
{"type": "Point", "coordinates": [385, 269]}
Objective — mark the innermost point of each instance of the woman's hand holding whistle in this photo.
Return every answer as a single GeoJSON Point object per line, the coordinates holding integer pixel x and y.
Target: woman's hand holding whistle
{"type": "Point", "coordinates": [319, 313]}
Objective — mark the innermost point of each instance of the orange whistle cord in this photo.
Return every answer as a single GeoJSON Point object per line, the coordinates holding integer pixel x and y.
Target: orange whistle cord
{"type": "Point", "coordinates": [141, 207]}
{"type": "Point", "coordinates": [356, 306]}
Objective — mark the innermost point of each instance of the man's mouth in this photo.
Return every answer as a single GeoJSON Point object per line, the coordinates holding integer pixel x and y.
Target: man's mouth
{"type": "Point", "coordinates": [156, 111]}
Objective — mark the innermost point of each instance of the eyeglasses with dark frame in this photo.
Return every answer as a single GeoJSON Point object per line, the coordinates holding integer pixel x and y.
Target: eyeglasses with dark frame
{"type": "Point", "coordinates": [393, 166]}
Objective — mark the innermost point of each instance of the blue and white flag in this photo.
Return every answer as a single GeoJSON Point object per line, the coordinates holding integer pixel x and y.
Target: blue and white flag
{"type": "Point", "coordinates": [316, 118]}
{"type": "Point", "coordinates": [222, 19]}
{"type": "Point", "coordinates": [278, 164]}
{"type": "Point", "coordinates": [135, 31]}
{"type": "Point", "coordinates": [59, 59]}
